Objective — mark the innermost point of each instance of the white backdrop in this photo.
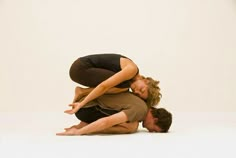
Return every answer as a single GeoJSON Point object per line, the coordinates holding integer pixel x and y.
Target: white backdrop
{"type": "Point", "coordinates": [189, 46]}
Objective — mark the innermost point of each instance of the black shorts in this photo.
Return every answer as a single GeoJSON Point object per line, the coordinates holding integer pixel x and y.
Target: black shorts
{"type": "Point", "coordinates": [93, 113]}
{"type": "Point", "coordinates": [84, 73]}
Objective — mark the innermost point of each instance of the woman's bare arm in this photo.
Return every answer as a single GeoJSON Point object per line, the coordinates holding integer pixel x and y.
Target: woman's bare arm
{"type": "Point", "coordinates": [125, 74]}
{"type": "Point", "coordinates": [81, 92]}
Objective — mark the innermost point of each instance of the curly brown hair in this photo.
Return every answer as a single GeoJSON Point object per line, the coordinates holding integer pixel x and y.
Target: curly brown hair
{"type": "Point", "coordinates": [154, 95]}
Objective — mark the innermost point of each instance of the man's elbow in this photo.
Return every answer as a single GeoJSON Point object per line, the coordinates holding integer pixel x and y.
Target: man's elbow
{"type": "Point", "coordinates": [133, 127]}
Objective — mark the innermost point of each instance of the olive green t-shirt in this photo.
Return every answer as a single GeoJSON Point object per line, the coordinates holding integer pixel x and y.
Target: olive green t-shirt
{"type": "Point", "coordinates": [134, 107]}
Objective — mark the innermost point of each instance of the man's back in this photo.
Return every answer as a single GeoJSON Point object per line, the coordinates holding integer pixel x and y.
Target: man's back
{"type": "Point", "coordinates": [134, 107]}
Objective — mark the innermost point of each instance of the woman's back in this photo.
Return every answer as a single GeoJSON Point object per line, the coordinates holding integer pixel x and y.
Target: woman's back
{"type": "Point", "coordinates": [105, 61]}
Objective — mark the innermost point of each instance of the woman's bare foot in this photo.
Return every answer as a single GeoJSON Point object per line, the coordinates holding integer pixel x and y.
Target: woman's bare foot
{"type": "Point", "coordinates": [78, 94]}
{"type": "Point", "coordinates": [81, 92]}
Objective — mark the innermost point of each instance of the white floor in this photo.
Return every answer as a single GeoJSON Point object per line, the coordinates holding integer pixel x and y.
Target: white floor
{"type": "Point", "coordinates": [30, 135]}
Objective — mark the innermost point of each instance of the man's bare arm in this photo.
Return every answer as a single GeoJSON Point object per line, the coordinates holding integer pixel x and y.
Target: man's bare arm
{"type": "Point", "coordinates": [104, 123]}
{"type": "Point", "coordinates": [99, 125]}
{"type": "Point", "coordinates": [123, 128]}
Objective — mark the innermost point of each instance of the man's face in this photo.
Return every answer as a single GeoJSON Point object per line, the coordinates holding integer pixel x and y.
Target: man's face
{"type": "Point", "coordinates": [149, 123]}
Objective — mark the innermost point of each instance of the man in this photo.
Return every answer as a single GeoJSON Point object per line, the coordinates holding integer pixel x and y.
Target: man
{"type": "Point", "coordinates": [118, 114]}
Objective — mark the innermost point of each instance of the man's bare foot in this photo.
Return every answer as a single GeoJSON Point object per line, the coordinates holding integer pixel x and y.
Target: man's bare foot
{"type": "Point", "coordinates": [78, 94]}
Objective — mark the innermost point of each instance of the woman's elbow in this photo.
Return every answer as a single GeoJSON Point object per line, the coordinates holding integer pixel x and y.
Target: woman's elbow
{"type": "Point", "coordinates": [103, 87]}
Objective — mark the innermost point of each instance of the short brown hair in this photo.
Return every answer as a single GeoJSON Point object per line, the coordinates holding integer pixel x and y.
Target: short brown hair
{"type": "Point", "coordinates": [164, 118]}
{"type": "Point", "coordinates": [154, 95]}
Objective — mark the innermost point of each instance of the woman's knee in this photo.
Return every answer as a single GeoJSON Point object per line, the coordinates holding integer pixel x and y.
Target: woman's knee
{"type": "Point", "coordinates": [76, 71]}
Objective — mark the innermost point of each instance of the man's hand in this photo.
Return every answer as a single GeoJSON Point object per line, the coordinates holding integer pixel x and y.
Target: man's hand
{"type": "Point", "coordinates": [74, 126]}
{"type": "Point", "coordinates": [69, 132]}
{"type": "Point", "coordinates": [78, 126]}
{"type": "Point", "coordinates": [73, 130]}
{"type": "Point", "coordinates": [75, 108]}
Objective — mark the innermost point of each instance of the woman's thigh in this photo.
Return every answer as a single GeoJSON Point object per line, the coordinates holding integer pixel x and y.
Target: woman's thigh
{"type": "Point", "coordinates": [86, 74]}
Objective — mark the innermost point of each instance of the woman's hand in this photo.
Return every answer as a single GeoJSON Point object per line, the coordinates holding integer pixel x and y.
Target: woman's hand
{"type": "Point", "coordinates": [75, 107]}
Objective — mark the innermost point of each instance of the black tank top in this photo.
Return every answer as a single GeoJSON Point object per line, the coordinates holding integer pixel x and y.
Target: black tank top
{"type": "Point", "coordinates": [106, 61]}
{"type": "Point", "coordinates": [109, 62]}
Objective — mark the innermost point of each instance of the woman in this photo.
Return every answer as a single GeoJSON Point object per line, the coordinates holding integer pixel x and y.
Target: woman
{"type": "Point", "coordinates": [110, 73]}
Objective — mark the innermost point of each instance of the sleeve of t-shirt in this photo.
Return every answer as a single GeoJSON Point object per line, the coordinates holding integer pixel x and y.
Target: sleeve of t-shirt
{"type": "Point", "coordinates": [137, 112]}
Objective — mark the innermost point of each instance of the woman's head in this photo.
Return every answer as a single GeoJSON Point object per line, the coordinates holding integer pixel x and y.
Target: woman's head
{"type": "Point", "coordinates": [147, 89]}
{"type": "Point", "coordinates": [140, 88]}
{"type": "Point", "coordinates": [154, 95]}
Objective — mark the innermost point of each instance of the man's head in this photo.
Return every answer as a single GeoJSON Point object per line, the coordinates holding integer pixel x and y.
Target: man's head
{"type": "Point", "coordinates": [157, 120]}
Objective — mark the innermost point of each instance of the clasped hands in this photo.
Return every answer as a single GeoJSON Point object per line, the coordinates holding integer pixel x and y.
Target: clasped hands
{"type": "Point", "coordinates": [75, 107]}
{"type": "Point", "coordinates": [71, 130]}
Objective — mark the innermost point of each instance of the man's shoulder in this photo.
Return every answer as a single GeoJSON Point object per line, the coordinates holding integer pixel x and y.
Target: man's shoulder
{"type": "Point", "coordinates": [125, 96]}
